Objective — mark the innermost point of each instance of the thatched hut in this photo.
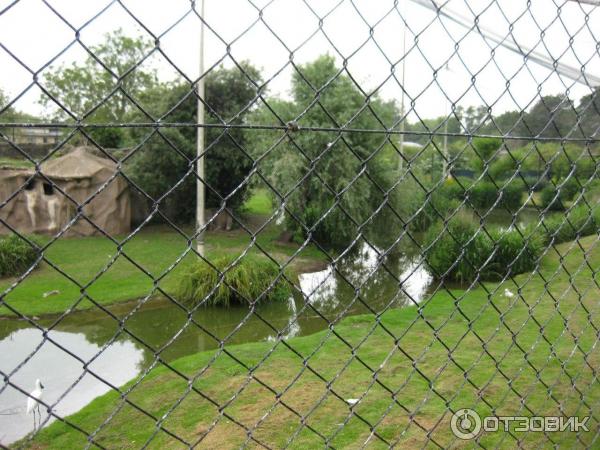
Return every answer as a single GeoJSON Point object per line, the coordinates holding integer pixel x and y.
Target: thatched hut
{"type": "Point", "coordinates": [47, 202]}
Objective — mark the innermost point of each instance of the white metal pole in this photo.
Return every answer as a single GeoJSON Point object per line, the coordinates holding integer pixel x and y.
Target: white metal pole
{"type": "Point", "coordinates": [445, 162]}
{"type": "Point", "coordinates": [445, 147]}
{"type": "Point", "coordinates": [200, 190]}
{"type": "Point", "coordinates": [402, 123]}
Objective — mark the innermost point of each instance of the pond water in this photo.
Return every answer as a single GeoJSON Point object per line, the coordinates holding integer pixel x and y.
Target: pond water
{"type": "Point", "coordinates": [504, 218]}
{"type": "Point", "coordinates": [117, 357]}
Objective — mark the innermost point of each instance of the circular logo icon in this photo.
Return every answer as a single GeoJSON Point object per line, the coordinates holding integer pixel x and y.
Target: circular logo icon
{"type": "Point", "coordinates": [465, 424]}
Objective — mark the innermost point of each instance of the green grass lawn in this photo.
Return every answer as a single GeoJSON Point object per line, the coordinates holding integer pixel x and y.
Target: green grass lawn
{"type": "Point", "coordinates": [86, 263]}
{"type": "Point", "coordinates": [16, 163]}
{"type": "Point", "coordinates": [534, 354]}
{"type": "Point", "coordinates": [259, 203]}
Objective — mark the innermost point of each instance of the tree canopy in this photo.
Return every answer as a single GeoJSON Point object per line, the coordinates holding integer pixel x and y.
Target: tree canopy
{"type": "Point", "coordinates": [335, 180]}
{"type": "Point", "coordinates": [100, 89]}
{"type": "Point", "coordinates": [167, 158]}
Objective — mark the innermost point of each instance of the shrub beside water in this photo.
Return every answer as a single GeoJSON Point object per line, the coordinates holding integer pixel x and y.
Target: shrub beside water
{"type": "Point", "coordinates": [16, 256]}
{"type": "Point", "coordinates": [444, 200]}
{"type": "Point", "coordinates": [554, 200]}
{"type": "Point", "coordinates": [243, 282]}
{"type": "Point", "coordinates": [550, 199]}
{"type": "Point", "coordinates": [569, 188]}
{"type": "Point", "coordinates": [582, 221]}
{"type": "Point", "coordinates": [512, 195]}
{"type": "Point", "coordinates": [491, 256]}
{"type": "Point", "coordinates": [456, 250]}
{"type": "Point", "coordinates": [484, 194]}
{"type": "Point", "coordinates": [514, 250]}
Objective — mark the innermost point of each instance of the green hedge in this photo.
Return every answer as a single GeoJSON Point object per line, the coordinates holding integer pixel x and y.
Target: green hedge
{"type": "Point", "coordinates": [16, 256]}
{"type": "Point", "coordinates": [245, 281]}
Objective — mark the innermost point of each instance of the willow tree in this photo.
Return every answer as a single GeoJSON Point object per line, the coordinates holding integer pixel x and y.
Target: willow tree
{"type": "Point", "coordinates": [333, 182]}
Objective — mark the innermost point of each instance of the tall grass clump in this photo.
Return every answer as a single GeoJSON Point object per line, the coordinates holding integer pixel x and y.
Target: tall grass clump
{"type": "Point", "coordinates": [16, 256]}
{"type": "Point", "coordinates": [244, 282]}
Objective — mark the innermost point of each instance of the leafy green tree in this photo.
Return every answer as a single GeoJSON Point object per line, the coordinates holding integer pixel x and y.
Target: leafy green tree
{"type": "Point", "coordinates": [163, 162]}
{"type": "Point", "coordinates": [551, 116]}
{"type": "Point", "coordinates": [82, 87]}
{"type": "Point", "coordinates": [334, 181]}
{"type": "Point", "coordinates": [589, 110]}
{"type": "Point", "coordinates": [481, 152]}
{"type": "Point", "coordinates": [472, 117]}
{"type": "Point", "coordinates": [509, 122]}
{"type": "Point", "coordinates": [3, 98]}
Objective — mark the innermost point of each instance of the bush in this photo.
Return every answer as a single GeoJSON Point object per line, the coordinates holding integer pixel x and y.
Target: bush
{"type": "Point", "coordinates": [439, 205]}
{"type": "Point", "coordinates": [512, 195]}
{"type": "Point", "coordinates": [245, 281]}
{"type": "Point", "coordinates": [581, 222]}
{"type": "Point", "coordinates": [554, 198]}
{"type": "Point", "coordinates": [452, 190]}
{"type": "Point", "coordinates": [108, 137]}
{"type": "Point", "coordinates": [490, 258]}
{"type": "Point", "coordinates": [516, 250]}
{"type": "Point", "coordinates": [550, 199]}
{"type": "Point", "coordinates": [457, 251]}
{"type": "Point", "coordinates": [483, 195]}
{"type": "Point", "coordinates": [535, 182]}
{"type": "Point", "coordinates": [485, 149]}
{"type": "Point", "coordinates": [591, 192]}
{"type": "Point", "coordinates": [16, 256]}
{"type": "Point", "coordinates": [569, 188]}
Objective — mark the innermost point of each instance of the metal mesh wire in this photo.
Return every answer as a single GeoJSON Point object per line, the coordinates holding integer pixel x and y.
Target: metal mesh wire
{"type": "Point", "coordinates": [504, 341]}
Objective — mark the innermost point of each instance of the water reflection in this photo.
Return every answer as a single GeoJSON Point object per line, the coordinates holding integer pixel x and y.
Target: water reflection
{"type": "Point", "coordinates": [380, 282]}
{"type": "Point", "coordinates": [416, 280]}
{"type": "Point", "coordinates": [58, 371]}
{"type": "Point", "coordinates": [320, 287]}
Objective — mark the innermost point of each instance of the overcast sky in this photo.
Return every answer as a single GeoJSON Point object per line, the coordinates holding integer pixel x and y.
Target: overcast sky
{"type": "Point", "coordinates": [32, 32]}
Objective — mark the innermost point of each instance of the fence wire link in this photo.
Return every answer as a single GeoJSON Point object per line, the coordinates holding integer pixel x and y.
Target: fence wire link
{"type": "Point", "coordinates": [503, 341]}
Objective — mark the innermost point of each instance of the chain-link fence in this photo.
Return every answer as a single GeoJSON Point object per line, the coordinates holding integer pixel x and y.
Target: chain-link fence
{"type": "Point", "coordinates": [356, 225]}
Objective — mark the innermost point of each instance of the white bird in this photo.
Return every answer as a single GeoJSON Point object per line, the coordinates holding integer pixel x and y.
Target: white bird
{"type": "Point", "coordinates": [352, 401]}
{"type": "Point", "coordinates": [508, 294]}
{"type": "Point", "coordinates": [33, 404]}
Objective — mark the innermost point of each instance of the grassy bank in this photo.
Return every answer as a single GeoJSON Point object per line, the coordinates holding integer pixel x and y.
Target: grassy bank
{"type": "Point", "coordinates": [534, 354]}
{"type": "Point", "coordinates": [154, 249]}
